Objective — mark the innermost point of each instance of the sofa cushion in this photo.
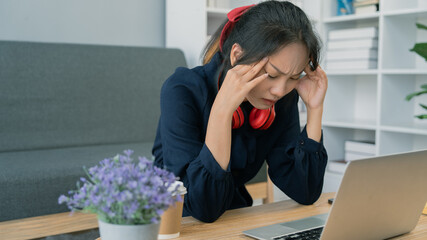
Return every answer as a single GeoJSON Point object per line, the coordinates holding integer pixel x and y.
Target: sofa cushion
{"type": "Point", "coordinates": [67, 95]}
{"type": "Point", "coordinates": [32, 181]}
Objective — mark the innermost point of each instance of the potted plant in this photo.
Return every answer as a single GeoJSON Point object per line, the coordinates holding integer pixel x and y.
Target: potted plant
{"type": "Point", "coordinates": [420, 49]}
{"type": "Point", "coordinates": [128, 196]}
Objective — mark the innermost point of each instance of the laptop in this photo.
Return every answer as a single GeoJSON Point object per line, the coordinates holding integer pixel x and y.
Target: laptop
{"type": "Point", "coordinates": [379, 197]}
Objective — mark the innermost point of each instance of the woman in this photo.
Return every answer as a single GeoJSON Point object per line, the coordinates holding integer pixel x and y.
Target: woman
{"type": "Point", "coordinates": [220, 121]}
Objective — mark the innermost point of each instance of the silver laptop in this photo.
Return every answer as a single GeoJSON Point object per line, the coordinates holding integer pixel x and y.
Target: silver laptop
{"type": "Point", "coordinates": [378, 198]}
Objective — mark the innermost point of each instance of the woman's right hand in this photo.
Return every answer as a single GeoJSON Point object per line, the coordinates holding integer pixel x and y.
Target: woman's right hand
{"type": "Point", "coordinates": [238, 82]}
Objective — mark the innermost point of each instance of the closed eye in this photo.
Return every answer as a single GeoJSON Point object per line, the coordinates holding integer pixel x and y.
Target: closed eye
{"type": "Point", "coordinates": [297, 77]}
{"type": "Point", "coordinates": [272, 77]}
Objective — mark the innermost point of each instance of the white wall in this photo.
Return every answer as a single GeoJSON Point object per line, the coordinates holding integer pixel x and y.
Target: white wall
{"type": "Point", "coordinates": [110, 22]}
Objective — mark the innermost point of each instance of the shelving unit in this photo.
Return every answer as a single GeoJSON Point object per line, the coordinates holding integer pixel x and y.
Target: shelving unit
{"type": "Point", "coordinates": [360, 104]}
{"type": "Point", "coordinates": [370, 104]}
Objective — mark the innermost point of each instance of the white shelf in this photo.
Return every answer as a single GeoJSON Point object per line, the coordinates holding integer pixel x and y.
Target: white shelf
{"type": "Point", "coordinates": [356, 124]}
{"type": "Point", "coordinates": [352, 72]}
{"type": "Point", "coordinates": [419, 129]}
{"type": "Point", "coordinates": [397, 71]}
{"type": "Point", "coordinates": [379, 94]}
{"type": "Point", "coordinates": [352, 17]}
{"type": "Point", "coordinates": [406, 12]}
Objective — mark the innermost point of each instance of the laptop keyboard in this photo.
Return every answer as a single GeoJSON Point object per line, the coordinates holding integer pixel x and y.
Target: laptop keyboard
{"type": "Point", "coordinates": [308, 234]}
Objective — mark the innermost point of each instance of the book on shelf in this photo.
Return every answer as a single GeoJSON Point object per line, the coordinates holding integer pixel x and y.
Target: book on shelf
{"type": "Point", "coordinates": [352, 48]}
{"type": "Point", "coordinates": [367, 147]}
{"type": "Point", "coordinates": [358, 3]}
{"type": "Point", "coordinates": [366, 9]}
{"type": "Point", "coordinates": [353, 43]}
{"type": "Point", "coordinates": [351, 64]}
{"type": "Point", "coordinates": [353, 33]}
{"type": "Point", "coordinates": [358, 150]}
{"type": "Point", "coordinates": [337, 166]}
{"type": "Point", "coordinates": [345, 7]}
{"type": "Point", "coordinates": [348, 54]}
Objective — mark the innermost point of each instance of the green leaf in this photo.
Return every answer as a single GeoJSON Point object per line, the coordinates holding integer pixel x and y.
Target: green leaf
{"type": "Point", "coordinates": [420, 49]}
{"type": "Point", "coordinates": [423, 106]}
{"type": "Point", "coordinates": [410, 96]}
{"type": "Point", "coordinates": [421, 26]}
{"type": "Point", "coordinates": [423, 116]}
{"type": "Point", "coordinates": [424, 86]}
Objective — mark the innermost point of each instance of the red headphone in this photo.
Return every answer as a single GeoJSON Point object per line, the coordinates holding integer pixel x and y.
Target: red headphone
{"type": "Point", "coordinates": [258, 118]}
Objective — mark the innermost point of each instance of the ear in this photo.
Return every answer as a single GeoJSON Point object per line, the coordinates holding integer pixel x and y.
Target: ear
{"type": "Point", "coordinates": [235, 53]}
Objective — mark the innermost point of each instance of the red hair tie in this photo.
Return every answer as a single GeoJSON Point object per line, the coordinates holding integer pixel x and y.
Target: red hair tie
{"type": "Point", "coordinates": [233, 16]}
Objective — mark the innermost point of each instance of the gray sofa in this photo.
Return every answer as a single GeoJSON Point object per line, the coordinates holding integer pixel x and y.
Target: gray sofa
{"type": "Point", "coordinates": [65, 106]}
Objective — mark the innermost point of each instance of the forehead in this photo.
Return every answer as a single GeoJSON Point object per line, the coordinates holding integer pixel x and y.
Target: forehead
{"type": "Point", "coordinates": [291, 58]}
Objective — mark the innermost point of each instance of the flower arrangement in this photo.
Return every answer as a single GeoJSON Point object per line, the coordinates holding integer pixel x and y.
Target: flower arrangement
{"type": "Point", "coordinates": [123, 191]}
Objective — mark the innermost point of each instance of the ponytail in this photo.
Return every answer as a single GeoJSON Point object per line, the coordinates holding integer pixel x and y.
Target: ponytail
{"type": "Point", "coordinates": [213, 45]}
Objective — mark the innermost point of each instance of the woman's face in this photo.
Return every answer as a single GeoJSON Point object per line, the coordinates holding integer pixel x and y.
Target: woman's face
{"type": "Point", "coordinates": [284, 69]}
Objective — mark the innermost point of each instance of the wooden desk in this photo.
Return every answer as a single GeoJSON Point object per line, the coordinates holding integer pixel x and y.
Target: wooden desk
{"type": "Point", "coordinates": [228, 226]}
{"type": "Point", "coordinates": [233, 222]}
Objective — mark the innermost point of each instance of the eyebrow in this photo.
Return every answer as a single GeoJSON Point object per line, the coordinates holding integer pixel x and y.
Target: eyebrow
{"type": "Point", "coordinates": [277, 69]}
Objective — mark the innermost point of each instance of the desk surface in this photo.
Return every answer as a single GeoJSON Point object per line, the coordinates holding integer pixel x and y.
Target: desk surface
{"type": "Point", "coordinates": [233, 222]}
{"type": "Point", "coordinates": [228, 226]}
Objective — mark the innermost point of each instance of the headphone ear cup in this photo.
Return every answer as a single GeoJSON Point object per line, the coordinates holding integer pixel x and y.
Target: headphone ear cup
{"type": "Point", "coordinates": [238, 118]}
{"type": "Point", "coordinates": [262, 118]}
{"type": "Point", "coordinates": [270, 119]}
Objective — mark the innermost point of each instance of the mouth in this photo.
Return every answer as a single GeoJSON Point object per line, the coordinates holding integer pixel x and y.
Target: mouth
{"type": "Point", "coordinates": [268, 101]}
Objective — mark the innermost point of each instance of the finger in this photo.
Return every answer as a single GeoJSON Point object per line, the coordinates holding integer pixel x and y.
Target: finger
{"type": "Point", "coordinates": [308, 70]}
{"type": "Point", "coordinates": [254, 70]}
{"type": "Point", "coordinates": [240, 68]}
{"type": "Point", "coordinates": [257, 80]}
{"type": "Point", "coordinates": [321, 72]}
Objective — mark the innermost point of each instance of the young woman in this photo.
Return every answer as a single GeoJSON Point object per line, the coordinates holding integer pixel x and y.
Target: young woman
{"type": "Point", "coordinates": [220, 121]}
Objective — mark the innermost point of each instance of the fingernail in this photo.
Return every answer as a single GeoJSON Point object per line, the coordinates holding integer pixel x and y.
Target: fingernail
{"type": "Point", "coordinates": [265, 59]}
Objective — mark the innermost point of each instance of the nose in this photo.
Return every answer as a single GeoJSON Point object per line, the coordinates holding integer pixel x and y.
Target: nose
{"type": "Point", "coordinates": [278, 89]}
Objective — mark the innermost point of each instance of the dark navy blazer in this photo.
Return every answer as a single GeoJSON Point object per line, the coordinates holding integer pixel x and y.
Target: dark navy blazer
{"type": "Point", "coordinates": [296, 163]}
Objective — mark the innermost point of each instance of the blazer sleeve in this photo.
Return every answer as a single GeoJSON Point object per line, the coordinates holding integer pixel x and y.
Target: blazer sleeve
{"type": "Point", "coordinates": [297, 163]}
{"type": "Point", "coordinates": [209, 187]}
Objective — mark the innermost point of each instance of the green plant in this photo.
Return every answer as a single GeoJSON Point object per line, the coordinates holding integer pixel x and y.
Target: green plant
{"type": "Point", "coordinates": [420, 49]}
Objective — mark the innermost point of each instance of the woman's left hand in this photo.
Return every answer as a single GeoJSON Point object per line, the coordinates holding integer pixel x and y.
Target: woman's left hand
{"type": "Point", "coordinates": [312, 87]}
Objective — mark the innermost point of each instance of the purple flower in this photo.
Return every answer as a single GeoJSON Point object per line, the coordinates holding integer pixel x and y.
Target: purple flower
{"type": "Point", "coordinates": [154, 220]}
{"type": "Point", "coordinates": [122, 190]}
{"type": "Point", "coordinates": [62, 199]}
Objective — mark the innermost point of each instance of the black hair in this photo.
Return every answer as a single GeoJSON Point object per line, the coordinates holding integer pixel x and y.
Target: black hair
{"type": "Point", "coordinates": [263, 30]}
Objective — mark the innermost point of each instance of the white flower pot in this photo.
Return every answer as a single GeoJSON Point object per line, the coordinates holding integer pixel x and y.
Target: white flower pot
{"type": "Point", "coordinates": [110, 231]}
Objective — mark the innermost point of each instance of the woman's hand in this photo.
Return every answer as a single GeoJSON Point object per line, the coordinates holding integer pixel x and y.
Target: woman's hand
{"type": "Point", "coordinates": [312, 87]}
{"type": "Point", "coordinates": [238, 82]}
{"type": "Point", "coordinates": [236, 86]}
